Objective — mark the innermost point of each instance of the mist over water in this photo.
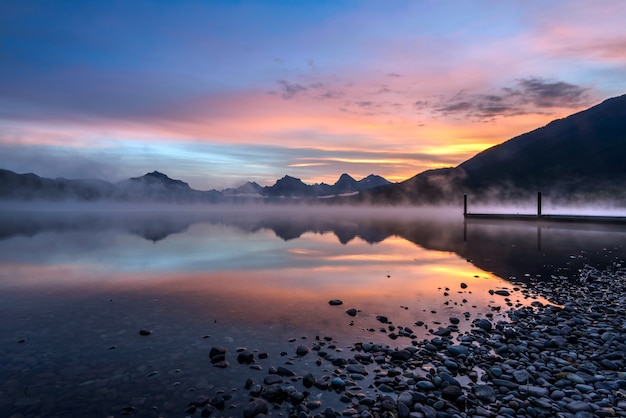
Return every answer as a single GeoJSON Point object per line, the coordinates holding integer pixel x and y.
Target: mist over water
{"type": "Point", "coordinates": [76, 286]}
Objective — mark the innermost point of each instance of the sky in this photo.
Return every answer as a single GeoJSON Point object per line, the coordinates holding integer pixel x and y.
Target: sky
{"type": "Point", "coordinates": [217, 93]}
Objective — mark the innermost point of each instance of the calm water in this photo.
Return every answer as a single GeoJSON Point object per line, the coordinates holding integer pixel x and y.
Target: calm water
{"type": "Point", "coordinates": [76, 288]}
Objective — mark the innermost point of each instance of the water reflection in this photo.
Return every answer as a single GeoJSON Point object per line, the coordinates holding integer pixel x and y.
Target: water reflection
{"type": "Point", "coordinates": [76, 288]}
{"type": "Point", "coordinates": [235, 270]}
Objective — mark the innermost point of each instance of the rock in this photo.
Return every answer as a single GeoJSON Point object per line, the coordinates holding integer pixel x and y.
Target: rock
{"type": "Point", "coordinates": [217, 358]}
{"type": "Point", "coordinates": [215, 351]}
{"type": "Point", "coordinates": [451, 392]}
{"type": "Point", "coordinates": [335, 302]}
{"type": "Point", "coordinates": [426, 410]}
{"type": "Point", "coordinates": [272, 379]}
{"type": "Point", "coordinates": [400, 355]}
{"type": "Point", "coordinates": [536, 391]}
{"type": "Point", "coordinates": [313, 404]}
{"type": "Point", "coordinates": [609, 365]}
{"type": "Point", "coordinates": [557, 395]}
{"type": "Point", "coordinates": [485, 393]}
{"type": "Point", "coordinates": [308, 380]}
{"type": "Point", "coordinates": [443, 332]}
{"type": "Point", "coordinates": [245, 357]}
{"type": "Point", "coordinates": [145, 332]}
{"type": "Point", "coordinates": [425, 385]}
{"type": "Point", "coordinates": [351, 312]}
{"type": "Point", "coordinates": [578, 406]}
{"type": "Point", "coordinates": [207, 410]}
{"type": "Point", "coordinates": [218, 402]}
{"type": "Point", "coordinates": [505, 384]}
{"type": "Point", "coordinates": [463, 285]}
{"type": "Point", "coordinates": [502, 292]}
{"type": "Point", "coordinates": [484, 324]}
{"type": "Point", "coordinates": [405, 398]}
{"type": "Point", "coordinates": [495, 371]}
{"type": "Point", "coordinates": [403, 411]}
{"type": "Point", "coordinates": [457, 350]}
{"type": "Point", "coordinates": [255, 407]}
{"type": "Point", "coordinates": [221, 364]}
{"type": "Point", "coordinates": [385, 388]}
{"type": "Point", "coordinates": [522, 377]}
{"type": "Point", "coordinates": [337, 383]}
{"type": "Point", "coordinates": [274, 393]}
{"type": "Point", "coordinates": [285, 372]}
{"type": "Point", "coordinates": [357, 369]}
{"type": "Point", "coordinates": [302, 350]}
{"type": "Point", "coordinates": [382, 318]}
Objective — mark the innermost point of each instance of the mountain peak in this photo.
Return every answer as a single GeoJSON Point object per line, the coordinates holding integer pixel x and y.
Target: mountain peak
{"type": "Point", "coordinates": [157, 174]}
{"type": "Point", "coordinates": [289, 186]}
{"type": "Point", "coordinates": [346, 183]}
{"type": "Point", "coordinates": [158, 178]}
{"type": "Point", "coordinates": [373, 180]}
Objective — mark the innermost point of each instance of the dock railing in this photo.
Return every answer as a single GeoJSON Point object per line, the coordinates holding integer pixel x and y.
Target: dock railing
{"type": "Point", "coordinates": [540, 216]}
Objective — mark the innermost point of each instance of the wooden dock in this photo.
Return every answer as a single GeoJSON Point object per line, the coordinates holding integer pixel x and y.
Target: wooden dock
{"type": "Point", "coordinates": [541, 217]}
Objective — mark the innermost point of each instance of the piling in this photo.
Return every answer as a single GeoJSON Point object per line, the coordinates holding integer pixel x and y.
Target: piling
{"type": "Point", "coordinates": [538, 204]}
{"type": "Point", "coordinates": [465, 204]}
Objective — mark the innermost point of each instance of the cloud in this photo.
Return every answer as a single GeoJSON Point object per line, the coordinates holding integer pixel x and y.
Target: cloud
{"type": "Point", "coordinates": [544, 93]}
{"type": "Point", "coordinates": [366, 104]}
{"type": "Point", "coordinates": [332, 94]}
{"type": "Point", "coordinates": [532, 95]}
{"type": "Point", "coordinates": [290, 90]}
{"type": "Point", "coordinates": [457, 107]}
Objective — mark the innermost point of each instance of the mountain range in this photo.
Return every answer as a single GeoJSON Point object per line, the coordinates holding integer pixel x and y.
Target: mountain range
{"type": "Point", "coordinates": [158, 187]}
{"type": "Point", "coordinates": [582, 156]}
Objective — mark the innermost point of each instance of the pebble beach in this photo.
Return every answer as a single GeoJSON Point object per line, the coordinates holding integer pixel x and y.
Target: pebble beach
{"type": "Point", "coordinates": [561, 359]}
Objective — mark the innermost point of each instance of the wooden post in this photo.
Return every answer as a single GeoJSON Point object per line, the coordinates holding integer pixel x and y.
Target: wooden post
{"type": "Point", "coordinates": [539, 204]}
{"type": "Point", "coordinates": [464, 204]}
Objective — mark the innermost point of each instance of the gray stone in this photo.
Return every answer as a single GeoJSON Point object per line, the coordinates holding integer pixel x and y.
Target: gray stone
{"type": "Point", "coordinates": [302, 350]}
{"type": "Point", "coordinates": [451, 392]}
{"type": "Point", "coordinates": [522, 376]}
{"type": "Point", "coordinates": [584, 388]}
{"type": "Point", "coordinates": [425, 385]}
{"type": "Point", "coordinates": [485, 393]}
{"type": "Point", "coordinates": [358, 369]}
{"type": "Point", "coordinates": [484, 324]}
{"type": "Point", "coordinates": [578, 406]}
{"type": "Point", "coordinates": [557, 395]}
{"type": "Point", "coordinates": [351, 312]}
{"type": "Point", "coordinates": [536, 391]}
{"type": "Point", "coordinates": [458, 350]}
{"type": "Point", "coordinates": [403, 411]}
{"type": "Point", "coordinates": [405, 398]}
{"type": "Point", "coordinates": [383, 319]}
{"type": "Point", "coordinates": [338, 383]}
{"type": "Point", "coordinates": [272, 379]}
{"type": "Point", "coordinates": [385, 388]}
{"type": "Point", "coordinates": [245, 357]}
{"type": "Point", "coordinates": [308, 380]}
{"type": "Point", "coordinates": [274, 393]}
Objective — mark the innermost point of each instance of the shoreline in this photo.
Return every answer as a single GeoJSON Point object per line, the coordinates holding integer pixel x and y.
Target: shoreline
{"type": "Point", "coordinates": [545, 361]}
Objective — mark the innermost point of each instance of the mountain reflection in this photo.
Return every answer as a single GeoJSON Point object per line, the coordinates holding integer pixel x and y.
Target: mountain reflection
{"type": "Point", "coordinates": [506, 249]}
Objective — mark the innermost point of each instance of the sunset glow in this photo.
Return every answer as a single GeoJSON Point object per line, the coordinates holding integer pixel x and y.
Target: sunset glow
{"type": "Point", "coordinates": [220, 93]}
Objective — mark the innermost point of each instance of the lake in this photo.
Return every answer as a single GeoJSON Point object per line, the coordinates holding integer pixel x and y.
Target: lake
{"type": "Point", "coordinates": [77, 287]}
